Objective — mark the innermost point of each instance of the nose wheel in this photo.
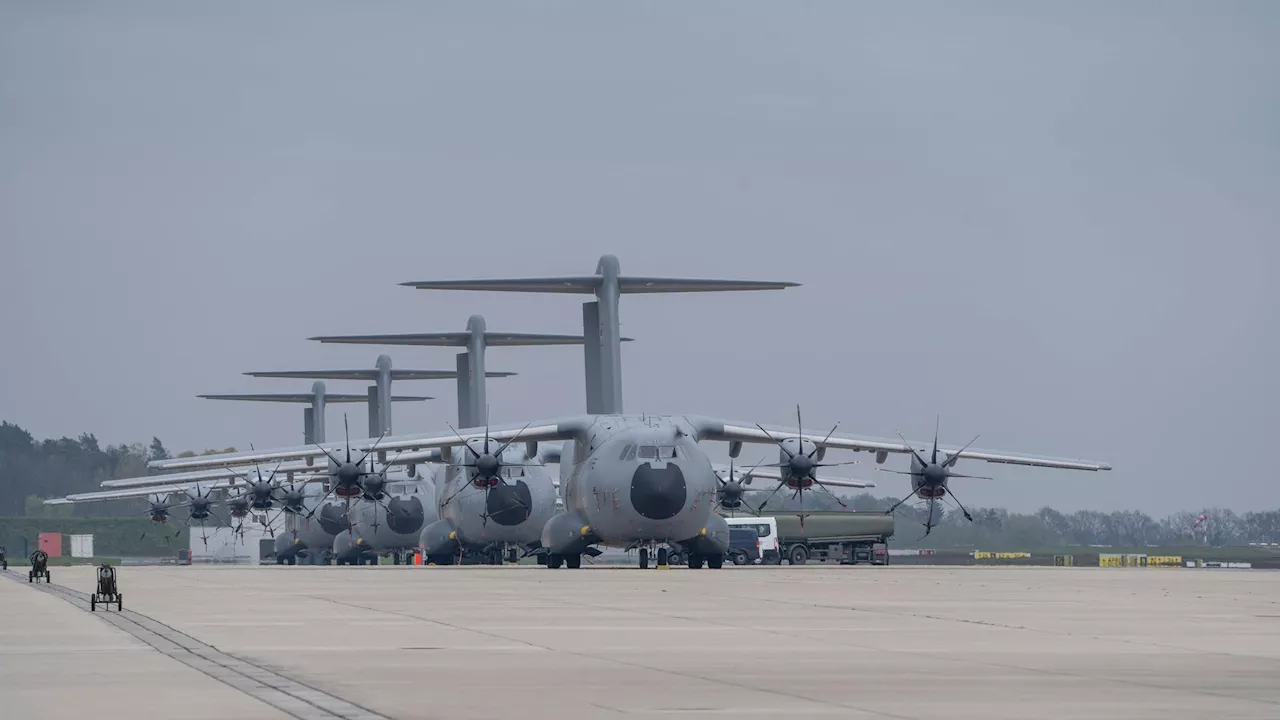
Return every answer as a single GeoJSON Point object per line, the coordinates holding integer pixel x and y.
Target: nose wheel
{"type": "Point", "coordinates": [663, 556]}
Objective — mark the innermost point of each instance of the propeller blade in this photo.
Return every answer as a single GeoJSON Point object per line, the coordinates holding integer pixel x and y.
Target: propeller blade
{"type": "Point", "coordinates": [936, 423]}
{"type": "Point", "coordinates": [897, 472]}
{"type": "Point", "coordinates": [320, 503]}
{"type": "Point", "coordinates": [951, 461]}
{"type": "Point", "coordinates": [372, 449]}
{"type": "Point", "coordinates": [335, 460]}
{"type": "Point", "coordinates": [770, 497]}
{"type": "Point", "coordinates": [913, 450]}
{"type": "Point", "coordinates": [346, 433]}
{"type": "Point", "coordinates": [824, 440]}
{"type": "Point", "coordinates": [776, 440]}
{"type": "Point", "coordinates": [799, 425]}
{"type": "Point", "coordinates": [832, 494]}
{"type": "Point", "coordinates": [972, 477]}
{"type": "Point", "coordinates": [508, 443]}
{"type": "Point", "coordinates": [474, 454]}
{"type": "Point", "coordinates": [847, 462]}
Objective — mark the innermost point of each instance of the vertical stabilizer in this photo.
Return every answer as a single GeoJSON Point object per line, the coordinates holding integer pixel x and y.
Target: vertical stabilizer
{"type": "Point", "coordinates": [308, 426]}
{"type": "Point", "coordinates": [476, 345]}
{"type": "Point", "coordinates": [317, 411]}
{"type": "Point", "coordinates": [591, 357]}
{"type": "Point", "coordinates": [383, 367]}
{"type": "Point", "coordinates": [375, 412]}
{"type": "Point", "coordinates": [464, 390]}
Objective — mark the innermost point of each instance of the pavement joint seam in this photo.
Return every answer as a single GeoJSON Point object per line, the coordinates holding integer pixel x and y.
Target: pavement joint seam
{"type": "Point", "coordinates": [626, 663]}
{"type": "Point", "coordinates": [290, 696]}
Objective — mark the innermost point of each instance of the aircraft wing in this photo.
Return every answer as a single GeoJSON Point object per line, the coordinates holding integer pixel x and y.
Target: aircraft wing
{"type": "Point", "coordinates": [774, 473]}
{"type": "Point", "coordinates": [219, 474]}
{"type": "Point", "coordinates": [716, 429]}
{"type": "Point", "coordinates": [106, 495]}
{"type": "Point", "coordinates": [540, 430]}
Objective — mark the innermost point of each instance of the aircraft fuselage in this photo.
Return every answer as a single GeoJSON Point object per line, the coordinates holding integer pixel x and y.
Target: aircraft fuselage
{"type": "Point", "coordinates": [632, 480]}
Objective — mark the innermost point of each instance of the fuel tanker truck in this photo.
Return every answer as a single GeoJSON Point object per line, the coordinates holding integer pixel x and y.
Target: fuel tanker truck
{"type": "Point", "coordinates": [845, 537]}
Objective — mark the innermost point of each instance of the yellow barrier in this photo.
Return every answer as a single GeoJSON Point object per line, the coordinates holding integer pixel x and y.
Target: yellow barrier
{"type": "Point", "coordinates": [1165, 561]}
{"type": "Point", "coordinates": [1110, 561]}
{"type": "Point", "coordinates": [1000, 555]}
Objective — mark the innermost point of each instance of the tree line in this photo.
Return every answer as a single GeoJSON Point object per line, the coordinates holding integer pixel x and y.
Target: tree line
{"type": "Point", "coordinates": [32, 470]}
{"type": "Point", "coordinates": [998, 529]}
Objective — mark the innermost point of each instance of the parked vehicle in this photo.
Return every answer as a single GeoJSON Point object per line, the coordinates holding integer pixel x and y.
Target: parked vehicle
{"type": "Point", "coordinates": [744, 546]}
{"type": "Point", "coordinates": [827, 536]}
{"type": "Point", "coordinates": [766, 529]}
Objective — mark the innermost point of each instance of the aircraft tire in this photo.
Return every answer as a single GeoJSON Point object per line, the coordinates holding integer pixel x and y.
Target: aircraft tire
{"type": "Point", "coordinates": [573, 562]}
{"type": "Point", "coordinates": [644, 558]}
{"type": "Point", "coordinates": [695, 561]}
{"type": "Point", "coordinates": [715, 562]}
{"type": "Point", "coordinates": [663, 557]}
{"type": "Point", "coordinates": [93, 603]}
{"type": "Point", "coordinates": [554, 561]}
{"type": "Point", "coordinates": [512, 557]}
{"type": "Point", "coordinates": [291, 561]}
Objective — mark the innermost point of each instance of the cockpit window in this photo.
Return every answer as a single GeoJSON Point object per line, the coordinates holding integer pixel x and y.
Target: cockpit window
{"type": "Point", "coordinates": [657, 452]}
{"type": "Point", "coordinates": [649, 452]}
{"type": "Point", "coordinates": [626, 450]}
{"type": "Point", "coordinates": [666, 452]}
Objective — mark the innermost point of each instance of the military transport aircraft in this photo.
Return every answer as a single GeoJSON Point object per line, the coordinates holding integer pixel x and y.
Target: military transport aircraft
{"type": "Point", "coordinates": [493, 516]}
{"type": "Point", "coordinates": [630, 481]}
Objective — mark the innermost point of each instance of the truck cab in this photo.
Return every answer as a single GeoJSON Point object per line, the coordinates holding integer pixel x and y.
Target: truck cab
{"type": "Point", "coordinates": [767, 530]}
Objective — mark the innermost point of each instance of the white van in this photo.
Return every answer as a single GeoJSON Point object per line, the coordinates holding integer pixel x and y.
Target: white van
{"type": "Point", "coordinates": [767, 529]}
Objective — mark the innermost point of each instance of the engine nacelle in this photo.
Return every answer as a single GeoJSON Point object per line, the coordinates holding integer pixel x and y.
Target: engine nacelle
{"type": "Point", "coordinates": [735, 448]}
{"type": "Point", "coordinates": [881, 456]}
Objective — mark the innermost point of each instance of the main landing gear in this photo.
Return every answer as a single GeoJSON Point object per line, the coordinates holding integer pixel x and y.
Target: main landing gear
{"type": "Point", "coordinates": [573, 562]}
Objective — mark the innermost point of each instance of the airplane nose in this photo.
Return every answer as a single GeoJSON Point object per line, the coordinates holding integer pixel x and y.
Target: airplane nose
{"type": "Point", "coordinates": [405, 517]}
{"type": "Point", "coordinates": [658, 493]}
{"type": "Point", "coordinates": [509, 504]}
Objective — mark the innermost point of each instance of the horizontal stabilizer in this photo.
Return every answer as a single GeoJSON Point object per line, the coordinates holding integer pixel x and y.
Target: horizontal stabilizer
{"type": "Point", "coordinates": [587, 285]}
{"type": "Point", "coordinates": [454, 339]}
{"type": "Point", "coordinates": [370, 375]}
{"type": "Point", "coordinates": [678, 285]}
{"type": "Point", "coordinates": [577, 285]}
{"type": "Point", "coordinates": [308, 397]}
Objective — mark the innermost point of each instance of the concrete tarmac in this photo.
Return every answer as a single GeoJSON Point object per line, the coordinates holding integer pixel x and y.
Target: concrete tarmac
{"type": "Point", "coordinates": [531, 643]}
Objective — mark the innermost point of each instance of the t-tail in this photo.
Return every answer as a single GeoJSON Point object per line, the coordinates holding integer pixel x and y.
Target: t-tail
{"type": "Point", "coordinates": [601, 325]}
{"type": "Point", "coordinates": [313, 416]}
{"type": "Point", "coordinates": [471, 373]}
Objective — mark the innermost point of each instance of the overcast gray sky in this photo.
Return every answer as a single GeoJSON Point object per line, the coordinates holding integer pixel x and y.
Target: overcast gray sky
{"type": "Point", "coordinates": [1054, 224]}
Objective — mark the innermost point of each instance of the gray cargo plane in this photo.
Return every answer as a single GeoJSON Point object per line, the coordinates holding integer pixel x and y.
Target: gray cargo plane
{"type": "Point", "coordinates": [492, 515]}
{"type": "Point", "coordinates": [633, 481]}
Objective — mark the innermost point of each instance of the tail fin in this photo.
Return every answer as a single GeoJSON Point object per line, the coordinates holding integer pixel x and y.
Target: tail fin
{"type": "Point", "coordinates": [313, 427]}
{"type": "Point", "coordinates": [382, 374]}
{"type": "Point", "coordinates": [608, 285]}
{"type": "Point", "coordinates": [472, 397]}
